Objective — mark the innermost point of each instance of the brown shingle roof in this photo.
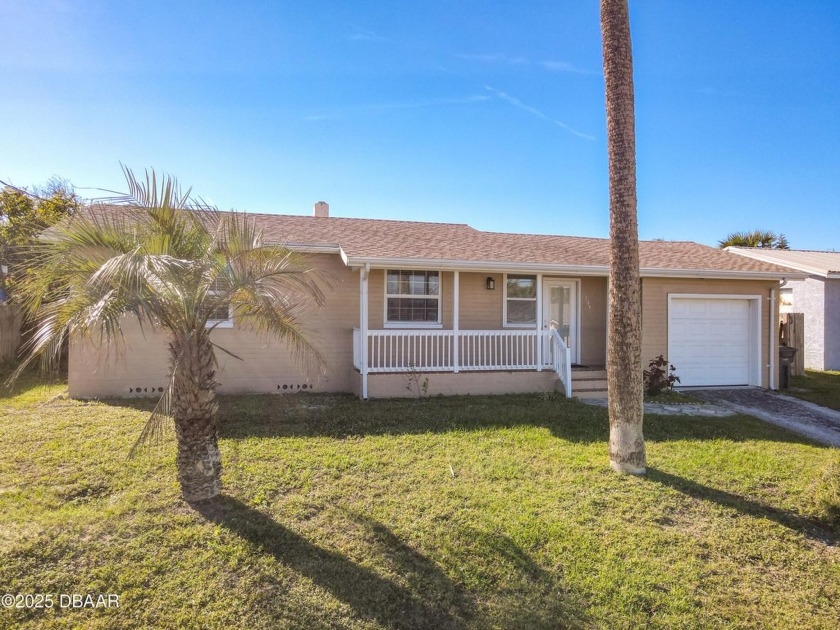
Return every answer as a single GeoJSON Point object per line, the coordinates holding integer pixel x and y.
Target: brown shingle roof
{"type": "Point", "coordinates": [367, 240]}
{"type": "Point", "coordinates": [436, 244]}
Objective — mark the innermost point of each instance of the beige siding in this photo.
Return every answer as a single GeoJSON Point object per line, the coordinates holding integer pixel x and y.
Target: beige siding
{"type": "Point", "coordinates": [593, 321]}
{"type": "Point", "coordinates": [481, 308]}
{"type": "Point", "coordinates": [655, 292]}
{"type": "Point", "coordinates": [266, 366]}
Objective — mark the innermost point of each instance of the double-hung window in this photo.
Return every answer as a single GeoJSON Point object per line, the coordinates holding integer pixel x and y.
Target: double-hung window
{"type": "Point", "coordinates": [520, 301]}
{"type": "Point", "coordinates": [219, 315]}
{"type": "Point", "coordinates": [412, 298]}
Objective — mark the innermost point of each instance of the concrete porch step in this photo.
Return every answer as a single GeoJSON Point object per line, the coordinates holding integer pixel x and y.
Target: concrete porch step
{"type": "Point", "coordinates": [590, 395]}
{"type": "Point", "coordinates": [588, 383]}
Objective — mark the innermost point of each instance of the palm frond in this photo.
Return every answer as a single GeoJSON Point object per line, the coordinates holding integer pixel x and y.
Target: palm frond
{"type": "Point", "coordinates": [154, 430]}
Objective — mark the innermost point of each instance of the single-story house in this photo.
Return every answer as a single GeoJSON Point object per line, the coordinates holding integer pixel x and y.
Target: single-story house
{"type": "Point", "coordinates": [817, 296]}
{"type": "Point", "coordinates": [467, 311]}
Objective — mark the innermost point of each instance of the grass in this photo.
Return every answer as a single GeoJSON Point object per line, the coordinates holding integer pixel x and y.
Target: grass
{"type": "Point", "coordinates": [484, 512]}
{"type": "Point", "coordinates": [821, 388]}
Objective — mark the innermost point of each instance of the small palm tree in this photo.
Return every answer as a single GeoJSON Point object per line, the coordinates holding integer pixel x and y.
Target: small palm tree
{"type": "Point", "coordinates": [756, 238]}
{"type": "Point", "coordinates": [174, 264]}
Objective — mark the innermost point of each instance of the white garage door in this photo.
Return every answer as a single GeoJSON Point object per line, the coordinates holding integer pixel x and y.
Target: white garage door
{"type": "Point", "coordinates": [709, 340]}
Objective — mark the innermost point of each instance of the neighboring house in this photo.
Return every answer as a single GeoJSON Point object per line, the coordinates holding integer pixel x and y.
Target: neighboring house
{"type": "Point", "coordinates": [476, 312]}
{"type": "Point", "coordinates": [817, 296]}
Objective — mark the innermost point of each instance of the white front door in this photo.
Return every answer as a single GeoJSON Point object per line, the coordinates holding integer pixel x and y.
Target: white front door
{"type": "Point", "coordinates": [560, 312]}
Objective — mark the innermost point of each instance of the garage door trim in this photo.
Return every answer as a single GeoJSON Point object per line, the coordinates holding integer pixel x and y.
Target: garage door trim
{"type": "Point", "coordinates": [754, 323]}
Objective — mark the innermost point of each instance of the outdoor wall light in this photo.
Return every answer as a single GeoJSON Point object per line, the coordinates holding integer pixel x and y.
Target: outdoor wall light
{"type": "Point", "coordinates": [491, 284]}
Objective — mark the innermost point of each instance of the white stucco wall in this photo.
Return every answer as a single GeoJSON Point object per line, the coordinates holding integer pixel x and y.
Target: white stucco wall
{"type": "Point", "coordinates": [809, 298]}
{"type": "Point", "coordinates": [832, 324]}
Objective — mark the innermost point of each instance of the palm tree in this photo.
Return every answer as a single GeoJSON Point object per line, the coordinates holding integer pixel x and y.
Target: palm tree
{"type": "Point", "coordinates": [624, 356]}
{"type": "Point", "coordinates": [171, 263]}
{"type": "Point", "coordinates": [756, 238]}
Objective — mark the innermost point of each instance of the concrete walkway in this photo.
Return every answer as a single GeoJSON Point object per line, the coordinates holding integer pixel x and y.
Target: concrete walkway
{"type": "Point", "coordinates": [674, 409]}
{"type": "Point", "coordinates": [813, 421]}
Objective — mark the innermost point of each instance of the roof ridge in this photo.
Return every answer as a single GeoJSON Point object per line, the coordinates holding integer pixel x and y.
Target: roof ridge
{"type": "Point", "coordinates": [309, 216]}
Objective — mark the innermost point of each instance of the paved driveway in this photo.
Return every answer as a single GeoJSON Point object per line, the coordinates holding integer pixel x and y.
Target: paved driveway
{"type": "Point", "coordinates": [808, 419]}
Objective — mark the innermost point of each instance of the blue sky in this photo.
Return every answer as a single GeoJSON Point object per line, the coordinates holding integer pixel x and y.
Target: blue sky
{"type": "Point", "coordinates": [487, 113]}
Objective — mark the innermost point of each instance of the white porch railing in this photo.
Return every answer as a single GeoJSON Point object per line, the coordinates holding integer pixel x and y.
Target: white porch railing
{"type": "Point", "coordinates": [464, 350]}
{"type": "Point", "coordinates": [561, 358]}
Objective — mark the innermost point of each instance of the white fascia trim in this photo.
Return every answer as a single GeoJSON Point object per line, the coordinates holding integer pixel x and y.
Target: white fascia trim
{"type": "Point", "coordinates": [476, 265]}
{"type": "Point", "coordinates": [724, 275]}
{"type": "Point", "coordinates": [565, 270]}
{"type": "Point", "coordinates": [769, 258]}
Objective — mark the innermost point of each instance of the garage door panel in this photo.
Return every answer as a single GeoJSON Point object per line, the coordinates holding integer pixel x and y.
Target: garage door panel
{"type": "Point", "coordinates": [709, 340]}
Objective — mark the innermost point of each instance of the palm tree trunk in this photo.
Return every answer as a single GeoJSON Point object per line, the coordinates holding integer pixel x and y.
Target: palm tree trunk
{"type": "Point", "coordinates": [194, 410]}
{"type": "Point", "coordinates": [624, 355]}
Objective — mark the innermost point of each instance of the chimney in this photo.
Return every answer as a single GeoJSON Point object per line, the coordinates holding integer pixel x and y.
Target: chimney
{"type": "Point", "coordinates": [321, 209]}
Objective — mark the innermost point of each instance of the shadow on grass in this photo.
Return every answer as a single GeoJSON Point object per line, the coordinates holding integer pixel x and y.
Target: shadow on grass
{"type": "Point", "coordinates": [434, 601]}
{"type": "Point", "coordinates": [340, 416]}
{"type": "Point", "coordinates": [527, 597]}
{"type": "Point", "coordinates": [809, 527]}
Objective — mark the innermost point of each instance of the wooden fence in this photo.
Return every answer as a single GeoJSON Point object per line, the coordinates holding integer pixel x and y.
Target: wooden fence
{"type": "Point", "coordinates": [792, 333]}
{"type": "Point", "coordinates": [10, 323]}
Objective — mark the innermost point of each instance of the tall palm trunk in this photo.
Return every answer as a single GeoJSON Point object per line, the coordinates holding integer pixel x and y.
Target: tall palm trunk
{"type": "Point", "coordinates": [624, 356]}
{"type": "Point", "coordinates": [194, 410]}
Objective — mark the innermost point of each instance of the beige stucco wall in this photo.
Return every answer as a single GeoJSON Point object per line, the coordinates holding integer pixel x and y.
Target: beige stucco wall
{"type": "Point", "coordinates": [448, 384]}
{"type": "Point", "coordinates": [266, 366]}
{"type": "Point", "coordinates": [655, 293]}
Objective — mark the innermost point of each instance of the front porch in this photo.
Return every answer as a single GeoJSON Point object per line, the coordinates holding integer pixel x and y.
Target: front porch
{"type": "Point", "coordinates": [512, 331]}
{"type": "Point", "coordinates": [470, 361]}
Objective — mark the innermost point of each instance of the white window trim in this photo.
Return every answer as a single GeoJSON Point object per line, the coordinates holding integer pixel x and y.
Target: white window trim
{"type": "Point", "coordinates": [389, 324]}
{"type": "Point", "coordinates": [505, 323]}
{"type": "Point", "coordinates": [221, 323]}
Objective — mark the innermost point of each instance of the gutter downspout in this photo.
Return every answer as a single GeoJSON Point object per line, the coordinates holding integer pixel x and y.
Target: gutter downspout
{"type": "Point", "coordinates": [363, 326]}
{"type": "Point", "coordinates": [771, 377]}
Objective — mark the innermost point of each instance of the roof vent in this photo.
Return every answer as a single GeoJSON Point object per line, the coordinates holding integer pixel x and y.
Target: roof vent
{"type": "Point", "coordinates": [321, 209]}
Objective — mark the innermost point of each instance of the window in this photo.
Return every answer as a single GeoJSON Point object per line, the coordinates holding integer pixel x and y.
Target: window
{"type": "Point", "coordinates": [412, 297]}
{"type": "Point", "coordinates": [219, 316]}
{"type": "Point", "coordinates": [520, 300]}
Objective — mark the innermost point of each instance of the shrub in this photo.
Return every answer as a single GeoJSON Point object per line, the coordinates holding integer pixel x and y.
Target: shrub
{"type": "Point", "coordinates": [659, 376]}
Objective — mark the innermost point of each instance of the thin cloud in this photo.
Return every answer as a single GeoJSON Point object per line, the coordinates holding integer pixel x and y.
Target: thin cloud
{"type": "Point", "coordinates": [507, 98]}
{"type": "Point", "coordinates": [377, 108]}
{"type": "Point", "coordinates": [504, 59]}
{"type": "Point", "coordinates": [564, 66]}
{"type": "Point", "coordinates": [362, 35]}
{"type": "Point", "coordinates": [495, 58]}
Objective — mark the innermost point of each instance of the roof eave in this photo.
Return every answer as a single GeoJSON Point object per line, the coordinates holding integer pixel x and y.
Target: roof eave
{"type": "Point", "coordinates": [768, 257]}
{"type": "Point", "coordinates": [728, 275]}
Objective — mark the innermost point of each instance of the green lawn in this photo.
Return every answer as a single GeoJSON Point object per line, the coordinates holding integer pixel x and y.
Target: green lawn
{"type": "Point", "coordinates": [486, 512]}
{"type": "Point", "coordinates": [822, 388]}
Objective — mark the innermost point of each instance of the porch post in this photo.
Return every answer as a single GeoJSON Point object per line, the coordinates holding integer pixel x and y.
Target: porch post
{"type": "Point", "coordinates": [363, 326]}
{"type": "Point", "coordinates": [539, 322]}
{"type": "Point", "coordinates": [456, 340]}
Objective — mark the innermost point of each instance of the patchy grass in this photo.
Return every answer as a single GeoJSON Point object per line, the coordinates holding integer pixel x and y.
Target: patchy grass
{"type": "Point", "coordinates": [485, 512]}
{"type": "Point", "coordinates": [821, 388]}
